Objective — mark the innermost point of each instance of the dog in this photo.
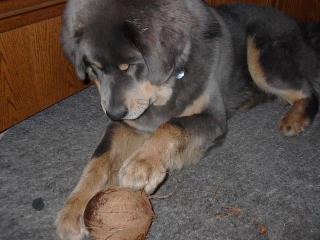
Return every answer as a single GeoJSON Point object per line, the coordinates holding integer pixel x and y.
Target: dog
{"type": "Point", "coordinates": [170, 74]}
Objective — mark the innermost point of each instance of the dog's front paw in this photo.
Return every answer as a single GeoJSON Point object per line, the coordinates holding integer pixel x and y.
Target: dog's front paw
{"type": "Point", "coordinates": [70, 224]}
{"type": "Point", "coordinates": [142, 173]}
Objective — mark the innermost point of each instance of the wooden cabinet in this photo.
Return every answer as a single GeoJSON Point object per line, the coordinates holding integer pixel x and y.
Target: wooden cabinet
{"type": "Point", "coordinates": [300, 9]}
{"type": "Point", "coordinates": [33, 71]}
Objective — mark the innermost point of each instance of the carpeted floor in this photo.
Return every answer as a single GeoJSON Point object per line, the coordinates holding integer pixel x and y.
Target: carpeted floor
{"type": "Point", "coordinates": [257, 185]}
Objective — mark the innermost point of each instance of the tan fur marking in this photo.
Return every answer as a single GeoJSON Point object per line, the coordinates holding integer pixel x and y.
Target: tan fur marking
{"type": "Point", "coordinates": [182, 150]}
{"type": "Point", "coordinates": [166, 138]}
{"type": "Point", "coordinates": [135, 125]}
{"type": "Point", "coordinates": [168, 148]}
{"type": "Point", "coordinates": [295, 121]}
{"type": "Point", "coordinates": [123, 67]}
{"type": "Point", "coordinates": [176, 147]}
{"type": "Point", "coordinates": [259, 77]}
{"type": "Point", "coordinates": [147, 90]}
{"type": "Point", "coordinates": [138, 99]}
{"type": "Point", "coordinates": [164, 141]}
{"type": "Point", "coordinates": [197, 106]}
{"type": "Point", "coordinates": [159, 95]}
{"type": "Point", "coordinates": [255, 68]}
{"type": "Point", "coordinates": [97, 83]}
{"type": "Point", "coordinates": [163, 94]}
{"type": "Point", "coordinates": [94, 177]}
{"type": "Point", "coordinates": [147, 167]}
{"type": "Point", "coordinates": [292, 95]}
{"type": "Point", "coordinates": [98, 65]}
{"type": "Point", "coordinates": [125, 141]}
{"type": "Point", "coordinates": [99, 172]}
{"type": "Point", "coordinates": [144, 94]}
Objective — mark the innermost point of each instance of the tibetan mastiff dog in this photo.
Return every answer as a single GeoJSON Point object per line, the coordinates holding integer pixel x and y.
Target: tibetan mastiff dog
{"type": "Point", "coordinates": [170, 74]}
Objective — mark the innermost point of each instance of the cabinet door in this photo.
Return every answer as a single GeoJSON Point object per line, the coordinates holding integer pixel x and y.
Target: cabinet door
{"type": "Point", "coordinates": [33, 71]}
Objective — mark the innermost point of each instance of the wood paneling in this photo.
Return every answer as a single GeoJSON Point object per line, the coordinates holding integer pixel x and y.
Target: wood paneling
{"type": "Point", "coordinates": [10, 8]}
{"type": "Point", "coordinates": [303, 10]}
{"type": "Point", "coordinates": [300, 9]}
{"type": "Point", "coordinates": [258, 2]}
{"type": "Point", "coordinates": [13, 5]}
{"type": "Point", "coordinates": [33, 71]}
{"type": "Point", "coordinates": [26, 18]}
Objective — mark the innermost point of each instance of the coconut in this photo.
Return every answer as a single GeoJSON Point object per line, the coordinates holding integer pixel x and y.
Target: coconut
{"type": "Point", "coordinates": [119, 214]}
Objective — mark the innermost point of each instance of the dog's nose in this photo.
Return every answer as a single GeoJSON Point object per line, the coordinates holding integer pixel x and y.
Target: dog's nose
{"type": "Point", "coordinates": [117, 114]}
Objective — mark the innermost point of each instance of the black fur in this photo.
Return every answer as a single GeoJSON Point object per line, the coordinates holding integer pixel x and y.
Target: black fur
{"type": "Point", "coordinates": [312, 108]}
{"type": "Point", "coordinates": [106, 141]}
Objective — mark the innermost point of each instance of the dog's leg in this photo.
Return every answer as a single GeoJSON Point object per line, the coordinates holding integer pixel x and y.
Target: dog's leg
{"type": "Point", "coordinates": [180, 142]}
{"type": "Point", "coordinates": [119, 142]}
{"type": "Point", "coordinates": [277, 69]}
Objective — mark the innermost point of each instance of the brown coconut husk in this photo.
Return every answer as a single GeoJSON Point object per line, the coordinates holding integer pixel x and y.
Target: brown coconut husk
{"type": "Point", "coordinates": [119, 214]}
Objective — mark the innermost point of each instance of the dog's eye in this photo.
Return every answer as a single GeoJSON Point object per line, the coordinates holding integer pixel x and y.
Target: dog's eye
{"type": "Point", "coordinates": [123, 67]}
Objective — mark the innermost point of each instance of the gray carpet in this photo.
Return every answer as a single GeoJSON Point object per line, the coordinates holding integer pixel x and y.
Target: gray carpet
{"type": "Point", "coordinates": [257, 185]}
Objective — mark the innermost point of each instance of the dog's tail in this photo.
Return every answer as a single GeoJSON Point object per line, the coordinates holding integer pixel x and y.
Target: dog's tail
{"type": "Point", "coordinates": [311, 33]}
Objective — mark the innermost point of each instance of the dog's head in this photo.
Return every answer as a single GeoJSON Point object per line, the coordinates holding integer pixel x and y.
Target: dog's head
{"type": "Point", "coordinates": [132, 49]}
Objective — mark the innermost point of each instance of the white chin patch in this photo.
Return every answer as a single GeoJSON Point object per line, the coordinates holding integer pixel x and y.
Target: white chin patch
{"type": "Point", "coordinates": [133, 115]}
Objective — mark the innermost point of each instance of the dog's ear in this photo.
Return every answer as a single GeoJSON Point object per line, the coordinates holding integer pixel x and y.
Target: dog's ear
{"type": "Point", "coordinates": [163, 50]}
{"type": "Point", "coordinates": [72, 49]}
{"type": "Point", "coordinates": [166, 52]}
{"type": "Point", "coordinates": [74, 19]}
{"type": "Point", "coordinates": [80, 66]}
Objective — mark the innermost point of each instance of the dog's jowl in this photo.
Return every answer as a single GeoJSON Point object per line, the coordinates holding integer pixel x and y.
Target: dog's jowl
{"type": "Point", "coordinates": [170, 74]}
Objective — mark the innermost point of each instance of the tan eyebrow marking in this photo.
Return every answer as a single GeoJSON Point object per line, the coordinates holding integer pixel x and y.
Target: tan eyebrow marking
{"type": "Point", "coordinates": [98, 65]}
{"type": "Point", "coordinates": [123, 67]}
